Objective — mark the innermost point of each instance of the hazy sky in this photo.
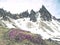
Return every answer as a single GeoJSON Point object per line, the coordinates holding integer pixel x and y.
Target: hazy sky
{"type": "Point", "coordinates": [17, 6]}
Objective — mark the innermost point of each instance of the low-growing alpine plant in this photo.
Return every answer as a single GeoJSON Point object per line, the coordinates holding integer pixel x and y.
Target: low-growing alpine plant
{"type": "Point", "coordinates": [20, 35]}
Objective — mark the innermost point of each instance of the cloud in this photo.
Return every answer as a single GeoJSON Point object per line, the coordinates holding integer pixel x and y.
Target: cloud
{"type": "Point", "coordinates": [20, 5]}
{"type": "Point", "coordinates": [3, 0]}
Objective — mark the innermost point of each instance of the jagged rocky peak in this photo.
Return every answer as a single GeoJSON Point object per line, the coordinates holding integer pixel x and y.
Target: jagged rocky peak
{"type": "Point", "coordinates": [5, 14]}
{"type": "Point", "coordinates": [24, 14]}
{"type": "Point", "coordinates": [32, 12]}
{"type": "Point", "coordinates": [1, 9]}
{"type": "Point", "coordinates": [33, 16]}
{"type": "Point", "coordinates": [2, 12]}
{"type": "Point", "coordinates": [45, 15]}
{"type": "Point", "coordinates": [54, 17]}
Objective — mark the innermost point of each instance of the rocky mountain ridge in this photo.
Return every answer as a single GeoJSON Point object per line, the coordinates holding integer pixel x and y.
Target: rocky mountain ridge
{"type": "Point", "coordinates": [45, 15]}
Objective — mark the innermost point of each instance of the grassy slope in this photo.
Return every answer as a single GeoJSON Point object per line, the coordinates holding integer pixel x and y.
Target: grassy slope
{"type": "Point", "coordinates": [2, 31]}
{"type": "Point", "coordinates": [25, 42]}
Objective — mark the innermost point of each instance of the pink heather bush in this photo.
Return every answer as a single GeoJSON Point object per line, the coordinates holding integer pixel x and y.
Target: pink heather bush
{"type": "Point", "coordinates": [20, 35]}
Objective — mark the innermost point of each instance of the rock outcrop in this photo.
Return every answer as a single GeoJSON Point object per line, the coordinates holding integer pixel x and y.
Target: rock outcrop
{"type": "Point", "coordinates": [24, 14]}
{"type": "Point", "coordinates": [45, 15]}
{"type": "Point", "coordinates": [32, 16]}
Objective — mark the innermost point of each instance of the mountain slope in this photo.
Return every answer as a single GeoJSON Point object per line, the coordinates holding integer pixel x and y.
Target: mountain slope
{"type": "Point", "coordinates": [41, 22]}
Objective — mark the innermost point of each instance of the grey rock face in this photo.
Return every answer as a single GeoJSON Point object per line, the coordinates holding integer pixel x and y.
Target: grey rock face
{"type": "Point", "coordinates": [24, 14]}
{"type": "Point", "coordinates": [45, 14]}
{"type": "Point", "coordinates": [54, 17]}
{"type": "Point", "coordinates": [4, 14]}
{"type": "Point", "coordinates": [32, 16]}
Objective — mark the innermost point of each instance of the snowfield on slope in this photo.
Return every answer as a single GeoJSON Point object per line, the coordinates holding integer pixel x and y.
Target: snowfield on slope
{"type": "Point", "coordinates": [38, 28]}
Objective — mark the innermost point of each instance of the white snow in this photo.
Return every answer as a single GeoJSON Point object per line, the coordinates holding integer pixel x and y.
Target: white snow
{"type": "Point", "coordinates": [9, 25]}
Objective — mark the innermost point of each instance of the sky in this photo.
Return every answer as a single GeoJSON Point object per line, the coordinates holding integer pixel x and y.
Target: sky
{"type": "Point", "coordinates": [18, 6]}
